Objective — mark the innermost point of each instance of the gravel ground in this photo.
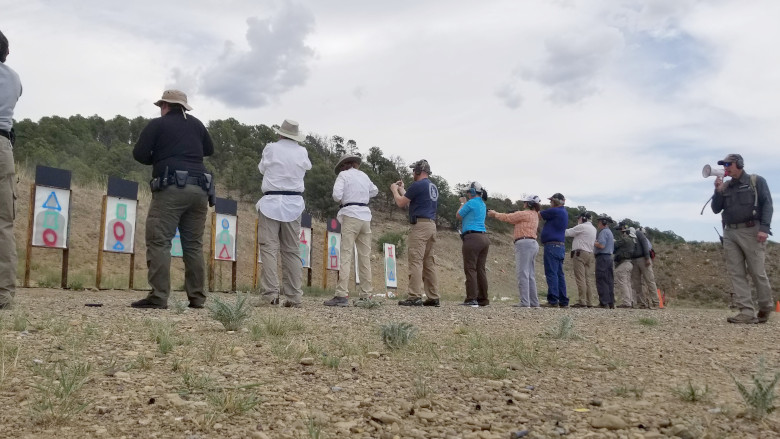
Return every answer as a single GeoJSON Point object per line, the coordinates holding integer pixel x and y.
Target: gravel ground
{"type": "Point", "coordinates": [322, 372]}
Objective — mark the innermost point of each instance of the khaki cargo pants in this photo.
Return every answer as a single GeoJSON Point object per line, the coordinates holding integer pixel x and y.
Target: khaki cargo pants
{"type": "Point", "coordinates": [422, 262]}
{"type": "Point", "coordinates": [584, 264]}
{"type": "Point", "coordinates": [280, 238]}
{"type": "Point", "coordinates": [623, 294]}
{"type": "Point", "coordinates": [745, 256]}
{"type": "Point", "coordinates": [355, 233]}
{"type": "Point", "coordinates": [7, 215]}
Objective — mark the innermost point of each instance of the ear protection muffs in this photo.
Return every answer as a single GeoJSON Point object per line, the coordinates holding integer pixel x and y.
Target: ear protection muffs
{"type": "Point", "coordinates": [472, 190]}
{"type": "Point", "coordinates": [740, 163]}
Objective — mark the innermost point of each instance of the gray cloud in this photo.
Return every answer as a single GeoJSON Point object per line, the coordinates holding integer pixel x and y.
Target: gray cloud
{"type": "Point", "coordinates": [573, 63]}
{"type": "Point", "coordinates": [509, 95]}
{"type": "Point", "coordinates": [277, 60]}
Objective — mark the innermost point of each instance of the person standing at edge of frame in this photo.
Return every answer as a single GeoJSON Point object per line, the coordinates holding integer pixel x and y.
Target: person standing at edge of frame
{"type": "Point", "coordinates": [284, 164]}
{"type": "Point", "coordinates": [422, 199]}
{"type": "Point", "coordinates": [353, 190]}
{"type": "Point", "coordinates": [175, 144]}
{"type": "Point", "coordinates": [476, 245]}
{"type": "Point", "coordinates": [745, 205]}
{"type": "Point", "coordinates": [10, 91]}
{"type": "Point", "coordinates": [605, 274]}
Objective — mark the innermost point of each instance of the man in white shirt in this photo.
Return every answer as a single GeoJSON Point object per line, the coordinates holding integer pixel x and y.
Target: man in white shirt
{"type": "Point", "coordinates": [584, 235]}
{"type": "Point", "coordinates": [352, 190]}
{"type": "Point", "coordinates": [10, 91]}
{"type": "Point", "coordinates": [283, 165]}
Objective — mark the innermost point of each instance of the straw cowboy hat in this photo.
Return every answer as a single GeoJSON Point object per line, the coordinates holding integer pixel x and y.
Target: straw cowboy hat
{"type": "Point", "coordinates": [290, 130]}
{"type": "Point", "coordinates": [174, 97]}
{"type": "Point", "coordinates": [347, 158]}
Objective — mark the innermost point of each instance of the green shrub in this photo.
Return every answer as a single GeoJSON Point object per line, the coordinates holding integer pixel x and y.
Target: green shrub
{"type": "Point", "coordinates": [397, 239]}
{"type": "Point", "coordinates": [397, 335]}
{"type": "Point", "coordinates": [232, 316]}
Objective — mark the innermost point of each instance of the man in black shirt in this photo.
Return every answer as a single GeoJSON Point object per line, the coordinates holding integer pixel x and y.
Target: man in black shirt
{"type": "Point", "coordinates": [175, 144]}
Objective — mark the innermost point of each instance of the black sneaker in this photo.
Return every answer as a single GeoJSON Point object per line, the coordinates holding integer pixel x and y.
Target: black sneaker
{"type": "Point", "coordinates": [412, 302]}
{"type": "Point", "coordinates": [147, 304]}
{"type": "Point", "coordinates": [431, 302]}
{"type": "Point", "coordinates": [471, 303]}
{"type": "Point", "coordinates": [288, 304]}
{"type": "Point", "coordinates": [563, 306]}
{"type": "Point", "coordinates": [195, 305]}
{"type": "Point", "coordinates": [275, 301]}
{"type": "Point", "coordinates": [579, 305]}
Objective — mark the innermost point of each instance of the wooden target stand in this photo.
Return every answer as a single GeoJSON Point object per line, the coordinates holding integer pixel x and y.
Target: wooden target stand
{"type": "Point", "coordinates": [224, 230]}
{"type": "Point", "coordinates": [304, 248]}
{"type": "Point", "coordinates": [123, 197]}
{"type": "Point", "coordinates": [47, 226]}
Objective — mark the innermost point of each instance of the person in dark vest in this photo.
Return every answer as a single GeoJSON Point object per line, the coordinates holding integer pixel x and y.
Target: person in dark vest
{"type": "Point", "coordinates": [745, 205]}
{"type": "Point", "coordinates": [10, 91]}
{"type": "Point", "coordinates": [175, 144]}
{"type": "Point", "coordinates": [642, 276]}
{"type": "Point", "coordinates": [422, 199]}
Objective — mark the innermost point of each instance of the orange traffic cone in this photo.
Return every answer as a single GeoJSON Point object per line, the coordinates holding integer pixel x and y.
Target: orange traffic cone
{"type": "Point", "coordinates": [777, 306]}
{"type": "Point", "coordinates": [661, 299]}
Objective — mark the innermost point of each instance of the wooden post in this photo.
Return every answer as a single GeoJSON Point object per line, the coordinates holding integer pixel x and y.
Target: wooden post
{"type": "Point", "coordinates": [29, 237]}
{"type": "Point", "coordinates": [64, 283]}
{"type": "Point", "coordinates": [257, 252]}
{"type": "Point", "coordinates": [99, 269]}
{"type": "Point", "coordinates": [211, 251]}
{"type": "Point", "coordinates": [233, 274]}
{"type": "Point", "coordinates": [132, 267]}
{"type": "Point", "coordinates": [325, 263]}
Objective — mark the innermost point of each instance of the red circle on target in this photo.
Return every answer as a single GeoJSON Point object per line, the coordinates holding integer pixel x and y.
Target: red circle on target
{"type": "Point", "coordinates": [49, 237]}
{"type": "Point", "coordinates": [117, 235]}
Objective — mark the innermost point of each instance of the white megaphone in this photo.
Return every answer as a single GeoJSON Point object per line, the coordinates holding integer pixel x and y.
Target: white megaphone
{"type": "Point", "coordinates": [707, 171]}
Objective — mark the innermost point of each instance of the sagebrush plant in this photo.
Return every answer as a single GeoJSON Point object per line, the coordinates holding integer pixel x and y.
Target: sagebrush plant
{"type": "Point", "coordinates": [564, 330]}
{"type": "Point", "coordinates": [648, 321]}
{"type": "Point", "coordinates": [691, 392]}
{"type": "Point", "coordinates": [162, 332]}
{"type": "Point", "coordinates": [760, 398]}
{"type": "Point", "coordinates": [231, 315]}
{"type": "Point", "coordinates": [368, 303]}
{"type": "Point", "coordinates": [57, 396]}
{"type": "Point", "coordinates": [396, 335]}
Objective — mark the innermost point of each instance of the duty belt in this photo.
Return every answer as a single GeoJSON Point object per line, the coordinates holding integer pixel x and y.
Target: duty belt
{"type": "Point", "coordinates": [341, 206]}
{"type": "Point", "coordinates": [740, 225]}
{"type": "Point", "coordinates": [471, 231]}
{"type": "Point", "coordinates": [6, 134]}
{"type": "Point", "coordinates": [282, 193]}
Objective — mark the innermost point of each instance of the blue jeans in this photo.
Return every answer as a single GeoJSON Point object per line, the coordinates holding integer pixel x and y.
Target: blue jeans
{"type": "Point", "coordinates": [553, 271]}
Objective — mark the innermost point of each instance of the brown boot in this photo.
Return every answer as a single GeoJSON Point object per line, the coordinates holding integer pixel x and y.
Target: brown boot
{"type": "Point", "coordinates": [742, 318]}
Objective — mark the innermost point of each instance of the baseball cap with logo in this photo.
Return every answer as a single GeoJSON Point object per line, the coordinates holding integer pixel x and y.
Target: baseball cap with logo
{"type": "Point", "coordinates": [557, 196]}
{"type": "Point", "coordinates": [421, 166]}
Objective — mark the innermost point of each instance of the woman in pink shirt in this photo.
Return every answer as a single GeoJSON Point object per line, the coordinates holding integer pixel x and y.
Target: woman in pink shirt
{"type": "Point", "coordinates": [526, 224]}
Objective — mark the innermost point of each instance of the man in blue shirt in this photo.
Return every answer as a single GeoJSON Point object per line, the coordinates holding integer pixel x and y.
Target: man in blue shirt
{"type": "Point", "coordinates": [553, 236]}
{"type": "Point", "coordinates": [422, 199]}
{"type": "Point", "coordinates": [605, 276]}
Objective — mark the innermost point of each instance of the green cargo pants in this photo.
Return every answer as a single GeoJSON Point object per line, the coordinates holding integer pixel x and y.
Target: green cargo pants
{"type": "Point", "coordinates": [7, 214]}
{"type": "Point", "coordinates": [185, 208]}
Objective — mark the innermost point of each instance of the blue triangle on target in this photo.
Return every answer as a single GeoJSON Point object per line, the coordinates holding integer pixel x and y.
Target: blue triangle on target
{"type": "Point", "coordinates": [119, 246]}
{"type": "Point", "coordinates": [52, 202]}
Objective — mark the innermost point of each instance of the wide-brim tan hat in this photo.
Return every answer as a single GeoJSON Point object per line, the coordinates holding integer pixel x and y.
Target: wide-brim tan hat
{"type": "Point", "coordinates": [347, 158]}
{"type": "Point", "coordinates": [174, 97]}
{"type": "Point", "coordinates": [290, 130]}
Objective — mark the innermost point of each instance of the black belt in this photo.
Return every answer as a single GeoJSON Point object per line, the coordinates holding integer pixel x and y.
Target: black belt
{"type": "Point", "coordinates": [740, 225]}
{"type": "Point", "coordinates": [171, 181]}
{"type": "Point", "coordinates": [341, 206]}
{"type": "Point", "coordinates": [553, 242]}
{"type": "Point", "coordinates": [471, 231]}
{"type": "Point", "coordinates": [603, 254]}
{"type": "Point", "coordinates": [523, 237]}
{"type": "Point", "coordinates": [6, 134]}
{"type": "Point", "coordinates": [282, 193]}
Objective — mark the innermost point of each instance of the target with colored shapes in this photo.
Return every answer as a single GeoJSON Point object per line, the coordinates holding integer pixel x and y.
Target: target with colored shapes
{"type": "Point", "coordinates": [176, 250]}
{"type": "Point", "coordinates": [51, 217]}
{"type": "Point", "coordinates": [225, 238]}
{"type": "Point", "coordinates": [334, 251]}
{"type": "Point", "coordinates": [304, 246]}
{"type": "Point", "coordinates": [120, 225]}
{"type": "Point", "coordinates": [391, 268]}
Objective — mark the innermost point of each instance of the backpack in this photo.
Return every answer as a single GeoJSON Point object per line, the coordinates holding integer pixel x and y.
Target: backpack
{"type": "Point", "coordinates": [624, 247]}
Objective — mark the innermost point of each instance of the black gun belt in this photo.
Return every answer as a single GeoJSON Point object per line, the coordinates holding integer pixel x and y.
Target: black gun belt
{"type": "Point", "coordinates": [282, 193]}
{"type": "Point", "coordinates": [341, 206]}
{"type": "Point", "coordinates": [6, 134]}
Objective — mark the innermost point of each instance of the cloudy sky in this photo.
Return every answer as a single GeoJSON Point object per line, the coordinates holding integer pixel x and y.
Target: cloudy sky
{"type": "Point", "coordinates": [616, 104]}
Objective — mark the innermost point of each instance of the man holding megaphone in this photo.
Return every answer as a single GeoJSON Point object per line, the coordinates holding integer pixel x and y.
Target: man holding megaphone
{"type": "Point", "coordinates": [745, 205]}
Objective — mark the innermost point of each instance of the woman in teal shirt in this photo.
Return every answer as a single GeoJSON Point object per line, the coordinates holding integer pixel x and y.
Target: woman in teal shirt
{"type": "Point", "coordinates": [476, 243]}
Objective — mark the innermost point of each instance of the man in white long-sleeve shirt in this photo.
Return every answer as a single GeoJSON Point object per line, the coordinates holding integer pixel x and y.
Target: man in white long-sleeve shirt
{"type": "Point", "coordinates": [352, 190]}
{"type": "Point", "coordinates": [283, 165]}
{"type": "Point", "coordinates": [584, 235]}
